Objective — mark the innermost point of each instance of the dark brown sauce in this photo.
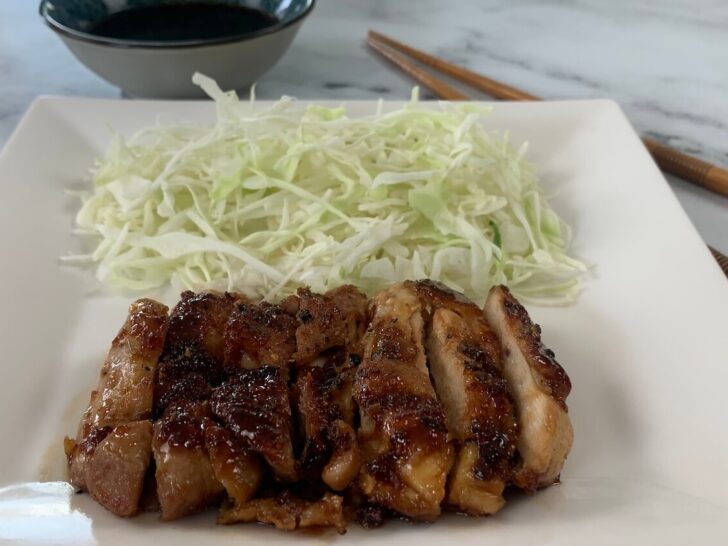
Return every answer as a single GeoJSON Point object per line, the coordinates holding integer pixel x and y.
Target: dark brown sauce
{"type": "Point", "coordinates": [182, 22]}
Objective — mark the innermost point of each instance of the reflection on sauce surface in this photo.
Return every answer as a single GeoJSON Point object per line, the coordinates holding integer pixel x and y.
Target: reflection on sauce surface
{"type": "Point", "coordinates": [183, 21]}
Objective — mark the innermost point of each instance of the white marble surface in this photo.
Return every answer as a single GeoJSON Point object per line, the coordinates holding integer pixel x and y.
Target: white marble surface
{"type": "Point", "coordinates": [665, 61]}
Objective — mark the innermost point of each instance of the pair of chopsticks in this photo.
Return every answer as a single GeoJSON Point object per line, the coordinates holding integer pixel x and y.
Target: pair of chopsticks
{"type": "Point", "coordinates": [668, 159]}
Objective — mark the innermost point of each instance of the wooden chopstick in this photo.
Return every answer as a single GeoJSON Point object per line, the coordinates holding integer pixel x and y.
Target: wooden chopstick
{"type": "Point", "coordinates": [722, 259]}
{"type": "Point", "coordinates": [687, 167]}
{"type": "Point", "coordinates": [492, 87]}
{"type": "Point", "coordinates": [437, 86]}
{"type": "Point", "coordinates": [667, 158]}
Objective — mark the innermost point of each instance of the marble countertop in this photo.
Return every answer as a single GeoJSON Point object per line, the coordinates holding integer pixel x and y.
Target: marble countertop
{"type": "Point", "coordinates": [664, 61]}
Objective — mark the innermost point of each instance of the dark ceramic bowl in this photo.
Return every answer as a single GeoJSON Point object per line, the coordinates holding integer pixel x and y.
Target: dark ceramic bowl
{"type": "Point", "coordinates": [163, 69]}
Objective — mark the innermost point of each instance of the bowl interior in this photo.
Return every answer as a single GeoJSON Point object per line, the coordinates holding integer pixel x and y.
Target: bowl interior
{"type": "Point", "coordinates": [78, 17]}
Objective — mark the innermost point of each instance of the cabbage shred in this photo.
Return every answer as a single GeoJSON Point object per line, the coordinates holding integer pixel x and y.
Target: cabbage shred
{"type": "Point", "coordinates": [269, 199]}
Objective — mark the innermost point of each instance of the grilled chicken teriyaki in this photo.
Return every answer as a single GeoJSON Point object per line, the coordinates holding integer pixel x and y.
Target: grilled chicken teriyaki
{"type": "Point", "coordinates": [466, 366]}
{"type": "Point", "coordinates": [403, 435]}
{"type": "Point", "coordinates": [539, 386]}
{"type": "Point", "coordinates": [409, 403]}
{"type": "Point", "coordinates": [111, 453]}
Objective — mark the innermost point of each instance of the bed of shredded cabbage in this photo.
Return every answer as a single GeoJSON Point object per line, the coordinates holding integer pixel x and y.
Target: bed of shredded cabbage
{"type": "Point", "coordinates": [271, 198]}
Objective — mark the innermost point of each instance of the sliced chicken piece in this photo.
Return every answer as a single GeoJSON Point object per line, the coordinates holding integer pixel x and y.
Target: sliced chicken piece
{"type": "Point", "coordinates": [126, 382]}
{"type": "Point", "coordinates": [539, 386]}
{"type": "Point", "coordinates": [186, 481]}
{"type": "Point", "coordinates": [403, 434]}
{"type": "Point", "coordinates": [334, 319]}
{"type": "Point", "coordinates": [199, 320]}
{"type": "Point", "coordinates": [122, 399]}
{"type": "Point", "coordinates": [330, 449]}
{"type": "Point", "coordinates": [466, 366]}
{"type": "Point", "coordinates": [191, 365]}
{"type": "Point", "coordinates": [330, 325]}
{"type": "Point", "coordinates": [114, 462]}
{"type": "Point", "coordinates": [192, 360]}
{"type": "Point", "coordinates": [235, 466]}
{"type": "Point", "coordinates": [345, 461]}
{"type": "Point", "coordinates": [260, 335]}
{"type": "Point", "coordinates": [355, 307]}
{"type": "Point", "coordinates": [254, 406]}
{"type": "Point", "coordinates": [289, 512]}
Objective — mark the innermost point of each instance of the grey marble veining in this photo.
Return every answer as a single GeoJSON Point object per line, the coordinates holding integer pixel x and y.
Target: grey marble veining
{"type": "Point", "coordinates": [665, 61]}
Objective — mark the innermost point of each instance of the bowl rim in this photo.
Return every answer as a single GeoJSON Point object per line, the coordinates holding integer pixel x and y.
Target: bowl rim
{"type": "Point", "coordinates": [69, 32]}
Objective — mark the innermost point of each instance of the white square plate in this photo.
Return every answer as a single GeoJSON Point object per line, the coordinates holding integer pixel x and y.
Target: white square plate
{"type": "Point", "coordinates": [645, 346]}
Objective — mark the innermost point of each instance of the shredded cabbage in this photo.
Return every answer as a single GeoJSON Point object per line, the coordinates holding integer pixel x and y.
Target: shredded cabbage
{"type": "Point", "coordinates": [269, 199]}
